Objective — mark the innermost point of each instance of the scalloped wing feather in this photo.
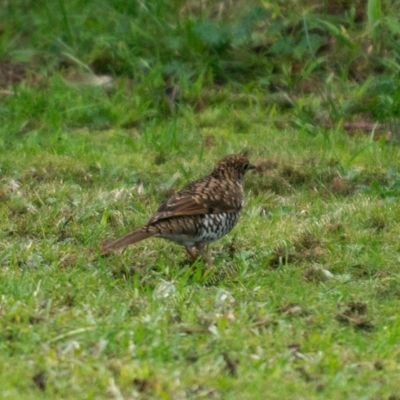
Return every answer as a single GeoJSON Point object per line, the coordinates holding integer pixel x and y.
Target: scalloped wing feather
{"type": "Point", "coordinates": [190, 205]}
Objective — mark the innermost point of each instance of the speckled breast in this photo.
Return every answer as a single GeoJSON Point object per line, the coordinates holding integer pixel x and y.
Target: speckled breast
{"type": "Point", "coordinates": [212, 227]}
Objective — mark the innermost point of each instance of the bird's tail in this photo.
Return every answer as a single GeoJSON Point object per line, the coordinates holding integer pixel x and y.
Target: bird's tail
{"type": "Point", "coordinates": [131, 237]}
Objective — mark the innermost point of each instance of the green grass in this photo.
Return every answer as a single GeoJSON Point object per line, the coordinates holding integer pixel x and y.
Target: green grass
{"type": "Point", "coordinates": [304, 299]}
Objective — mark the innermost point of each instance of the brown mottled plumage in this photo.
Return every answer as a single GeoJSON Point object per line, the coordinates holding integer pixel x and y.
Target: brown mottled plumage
{"type": "Point", "coordinates": [202, 212]}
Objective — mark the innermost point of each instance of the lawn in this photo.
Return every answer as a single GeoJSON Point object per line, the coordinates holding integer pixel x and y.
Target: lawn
{"type": "Point", "coordinates": [304, 300]}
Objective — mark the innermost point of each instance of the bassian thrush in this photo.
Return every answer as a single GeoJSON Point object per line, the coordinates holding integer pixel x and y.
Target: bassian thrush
{"type": "Point", "coordinates": [200, 213]}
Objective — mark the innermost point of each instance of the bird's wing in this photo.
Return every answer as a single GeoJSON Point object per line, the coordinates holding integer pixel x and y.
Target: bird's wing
{"type": "Point", "coordinates": [204, 196]}
{"type": "Point", "coordinates": [190, 205]}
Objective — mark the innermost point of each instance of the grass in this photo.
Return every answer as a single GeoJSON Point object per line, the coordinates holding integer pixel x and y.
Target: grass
{"type": "Point", "coordinates": [304, 300]}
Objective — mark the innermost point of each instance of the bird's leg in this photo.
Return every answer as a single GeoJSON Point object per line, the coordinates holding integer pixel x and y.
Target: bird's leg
{"type": "Point", "coordinates": [191, 252]}
{"type": "Point", "coordinates": [202, 250]}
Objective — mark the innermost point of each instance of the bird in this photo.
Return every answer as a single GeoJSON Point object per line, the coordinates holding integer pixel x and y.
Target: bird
{"type": "Point", "coordinates": [202, 212]}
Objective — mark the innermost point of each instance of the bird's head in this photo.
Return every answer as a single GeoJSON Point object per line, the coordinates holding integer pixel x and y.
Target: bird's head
{"type": "Point", "coordinates": [232, 166]}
